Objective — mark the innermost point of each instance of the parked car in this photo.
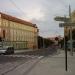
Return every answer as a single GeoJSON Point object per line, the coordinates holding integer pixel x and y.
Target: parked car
{"type": "Point", "coordinates": [6, 50]}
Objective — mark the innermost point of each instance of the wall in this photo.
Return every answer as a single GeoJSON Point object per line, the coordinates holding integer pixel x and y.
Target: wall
{"type": "Point", "coordinates": [19, 35]}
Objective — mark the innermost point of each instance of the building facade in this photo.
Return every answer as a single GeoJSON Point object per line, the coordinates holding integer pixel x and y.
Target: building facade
{"type": "Point", "coordinates": [18, 33]}
{"type": "Point", "coordinates": [67, 29]}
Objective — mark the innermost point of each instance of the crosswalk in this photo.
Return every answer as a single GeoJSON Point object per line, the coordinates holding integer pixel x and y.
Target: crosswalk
{"type": "Point", "coordinates": [25, 56]}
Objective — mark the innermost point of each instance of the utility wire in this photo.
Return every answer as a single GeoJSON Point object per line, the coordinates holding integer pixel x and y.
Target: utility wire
{"type": "Point", "coordinates": [13, 3]}
{"type": "Point", "coordinates": [24, 12]}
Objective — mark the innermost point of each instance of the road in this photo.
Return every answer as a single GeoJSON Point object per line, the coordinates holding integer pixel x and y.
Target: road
{"type": "Point", "coordinates": [8, 63]}
{"type": "Point", "coordinates": [42, 52]}
{"type": "Point", "coordinates": [22, 63]}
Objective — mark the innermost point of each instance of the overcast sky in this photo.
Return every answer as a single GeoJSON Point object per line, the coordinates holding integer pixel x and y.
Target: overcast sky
{"type": "Point", "coordinates": [40, 12]}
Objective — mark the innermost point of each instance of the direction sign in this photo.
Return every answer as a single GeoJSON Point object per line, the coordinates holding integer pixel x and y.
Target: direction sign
{"type": "Point", "coordinates": [58, 18]}
{"type": "Point", "coordinates": [66, 24]}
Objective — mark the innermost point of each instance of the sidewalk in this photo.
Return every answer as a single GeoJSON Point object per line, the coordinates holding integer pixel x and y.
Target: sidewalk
{"type": "Point", "coordinates": [54, 65]}
{"type": "Point", "coordinates": [62, 54]}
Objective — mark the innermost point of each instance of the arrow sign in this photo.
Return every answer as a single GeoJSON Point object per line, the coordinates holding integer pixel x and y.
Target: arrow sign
{"type": "Point", "coordinates": [66, 24]}
{"type": "Point", "coordinates": [58, 18]}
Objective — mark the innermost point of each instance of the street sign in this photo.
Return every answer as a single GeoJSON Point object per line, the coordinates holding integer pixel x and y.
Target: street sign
{"type": "Point", "coordinates": [64, 19]}
{"type": "Point", "coordinates": [66, 24]}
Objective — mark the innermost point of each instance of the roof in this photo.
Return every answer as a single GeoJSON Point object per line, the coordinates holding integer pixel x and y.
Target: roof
{"type": "Point", "coordinates": [14, 19]}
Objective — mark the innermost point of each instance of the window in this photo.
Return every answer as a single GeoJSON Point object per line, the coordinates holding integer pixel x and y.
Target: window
{"type": "Point", "coordinates": [3, 34]}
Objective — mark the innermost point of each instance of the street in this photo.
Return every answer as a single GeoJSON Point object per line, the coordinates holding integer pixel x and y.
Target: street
{"type": "Point", "coordinates": [8, 63]}
{"type": "Point", "coordinates": [22, 62]}
{"type": "Point", "coordinates": [37, 65]}
{"type": "Point", "coordinates": [37, 38]}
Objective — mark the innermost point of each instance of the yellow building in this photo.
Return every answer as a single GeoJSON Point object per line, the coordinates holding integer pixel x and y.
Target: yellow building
{"type": "Point", "coordinates": [18, 33]}
{"type": "Point", "coordinates": [67, 29]}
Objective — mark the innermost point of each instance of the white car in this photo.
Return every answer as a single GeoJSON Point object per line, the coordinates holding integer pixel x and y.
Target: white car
{"type": "Point", "coordinates": [6, 50]}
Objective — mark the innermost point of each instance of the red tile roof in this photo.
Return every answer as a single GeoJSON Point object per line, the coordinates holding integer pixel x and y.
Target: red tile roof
{"type": "Point", "coordinates": [14, 19]}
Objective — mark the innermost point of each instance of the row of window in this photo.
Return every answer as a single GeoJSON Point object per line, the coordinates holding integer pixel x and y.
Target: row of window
{"type": "Point", "coordinates": [17, 45]}
{"type": "Point", "coordinates": [18, 32]}
{"type": "Point", "coordinates": [6, 23]}
{"type": "Point", "coordinates": [19, 35]}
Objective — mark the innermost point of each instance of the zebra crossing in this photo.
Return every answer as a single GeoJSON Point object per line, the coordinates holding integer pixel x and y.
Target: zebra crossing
{"type": "Point", "coordinates": [25, 56]}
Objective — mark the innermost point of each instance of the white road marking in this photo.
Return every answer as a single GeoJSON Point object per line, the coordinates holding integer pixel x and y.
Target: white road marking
{"type": "Point", "coordinates": [26, 56]}
{"type": "Point", "coordinates": [40, 57]}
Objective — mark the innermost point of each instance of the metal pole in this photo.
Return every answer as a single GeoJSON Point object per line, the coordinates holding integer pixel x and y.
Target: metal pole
{"type": "Point", "coordinates": [65, 48]}
{"type": "Point", "coordinates": [66, 55]}
{"type": "Point", "coordinates": [71, 47]}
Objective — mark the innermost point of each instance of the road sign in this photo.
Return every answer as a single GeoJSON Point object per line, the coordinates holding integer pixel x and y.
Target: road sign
{"type": "Point", "coordinates": [58, 18]}
{"type": "Point", "coordinates": [66, 24]}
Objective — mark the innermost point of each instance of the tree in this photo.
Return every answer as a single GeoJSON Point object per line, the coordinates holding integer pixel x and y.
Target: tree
{"type": "Point", "coordinates": [47, 42]}
{"type": "Point", "coordinates": [40, 42]}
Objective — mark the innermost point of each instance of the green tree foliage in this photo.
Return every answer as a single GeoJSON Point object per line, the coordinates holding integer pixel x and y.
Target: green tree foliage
{"type": "Point", "coordinates": [47, 42]}
{"type": "Point", "coordinates": [40, 42]}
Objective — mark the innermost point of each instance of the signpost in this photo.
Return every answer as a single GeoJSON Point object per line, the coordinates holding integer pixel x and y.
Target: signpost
{"type": "Point", "coordinates": [70, 24]}
{"type": "Point", "coordinates": [64, 19]}
{"type": "Point", "coordinates": [67, 24]}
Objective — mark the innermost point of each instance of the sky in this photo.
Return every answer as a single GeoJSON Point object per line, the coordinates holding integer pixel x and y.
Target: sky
{"type": "Point", "coordinates": [39, 12]}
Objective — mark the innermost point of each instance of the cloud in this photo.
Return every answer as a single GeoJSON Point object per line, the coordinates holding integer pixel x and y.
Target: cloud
{"type": "Point", "coordinates": [40, 12]}
{"type": "Point", "coordinates": [34, 14]}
